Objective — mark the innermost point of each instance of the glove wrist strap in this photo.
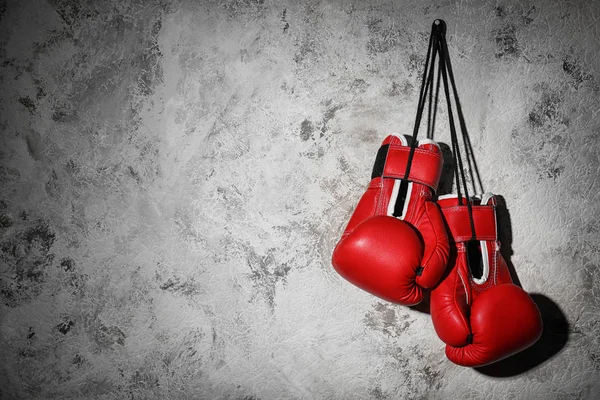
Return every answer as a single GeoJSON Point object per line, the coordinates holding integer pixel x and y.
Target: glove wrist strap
{"type": "Point", "coordinates": [392, 160]}
{"type": "Point", "coordinates": [484, 219]}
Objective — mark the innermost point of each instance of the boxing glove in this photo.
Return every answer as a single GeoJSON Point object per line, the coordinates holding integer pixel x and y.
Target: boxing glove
{"type": "Point", "coordinates": [395, 244]}
{"type": "Point", "coordinates": [476, 309]}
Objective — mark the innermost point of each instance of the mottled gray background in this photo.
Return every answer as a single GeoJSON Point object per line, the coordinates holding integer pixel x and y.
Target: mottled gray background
{"type": "Point", "coordinates": [175, 176]}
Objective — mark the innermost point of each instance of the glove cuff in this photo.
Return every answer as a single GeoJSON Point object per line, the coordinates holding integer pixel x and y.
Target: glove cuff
{"type": "Point", "coordinates": [457, 218]}
{"type": "Point", "coordinates": [392, 158]}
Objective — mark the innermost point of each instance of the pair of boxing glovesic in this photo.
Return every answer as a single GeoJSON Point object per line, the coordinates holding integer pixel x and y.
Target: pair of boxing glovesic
{"type": "Point", "coordinates": [400, 243]}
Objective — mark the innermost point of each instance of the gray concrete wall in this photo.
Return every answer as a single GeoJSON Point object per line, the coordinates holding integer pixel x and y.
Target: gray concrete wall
{"type": "Point", "coordinates": [174, 176]}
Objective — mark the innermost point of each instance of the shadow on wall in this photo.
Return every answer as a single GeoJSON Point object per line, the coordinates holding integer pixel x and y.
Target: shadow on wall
{"type": "Point", "coordinates": [553, 339]}
{"type": "Point", "coordinates": [556, 328]}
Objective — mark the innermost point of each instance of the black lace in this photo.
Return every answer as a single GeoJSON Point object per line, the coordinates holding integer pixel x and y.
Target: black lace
{"type": "Point", "coordinates": [427, 81]}
{"type": "Point", "coordinates": [438, 48]}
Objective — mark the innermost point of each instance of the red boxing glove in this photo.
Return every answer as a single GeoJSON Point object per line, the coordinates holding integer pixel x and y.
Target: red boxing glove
{"type": "Point", "coordinates": [477, 310]}
{"type": "Point", "coordinates": [395, 244]}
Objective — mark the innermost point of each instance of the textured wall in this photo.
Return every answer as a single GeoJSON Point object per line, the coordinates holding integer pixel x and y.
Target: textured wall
{"type": "Point", "coordinates": [175, 176]}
